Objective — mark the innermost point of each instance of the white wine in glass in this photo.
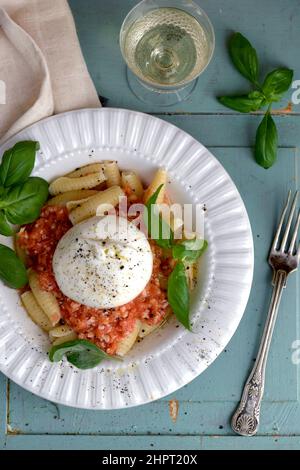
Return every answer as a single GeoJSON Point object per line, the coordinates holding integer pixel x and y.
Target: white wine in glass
{"type": "Point", "coordinates": [166, 45]}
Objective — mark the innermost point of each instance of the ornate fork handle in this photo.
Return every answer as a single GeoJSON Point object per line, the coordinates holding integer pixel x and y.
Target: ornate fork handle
{"type": "Point", "coordinates": [245, 420]}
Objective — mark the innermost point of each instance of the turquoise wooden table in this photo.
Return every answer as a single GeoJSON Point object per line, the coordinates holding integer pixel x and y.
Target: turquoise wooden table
{"type": "Point", "coordinates": [205, 405]}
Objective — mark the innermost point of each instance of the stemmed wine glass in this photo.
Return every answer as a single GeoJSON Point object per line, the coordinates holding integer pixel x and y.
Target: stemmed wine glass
{"type": "Point", "coordinates": [166, 45]}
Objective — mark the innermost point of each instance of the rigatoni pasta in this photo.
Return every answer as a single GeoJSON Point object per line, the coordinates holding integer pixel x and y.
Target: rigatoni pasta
{"type": "Point", "coordinates": [191, 273]}
{"type": "Point", "coordinates": [46, 300]}
{"type": "Point", "coordinates": [64, 339]}
{"type": "Point", "coordinates": [35, 312]}
{"type": "Point", "coordinates": [63, 198]}
{"type": "Point", "coordinates": [19, 251]}
{"type": "Point", "coordinates": [61, 334]}
{"type": "Point", "coordinates": [86, 170]}
{"type": "Point", "coordinates": [65, 183]}
{"type": "Point", "coordinates": [89, 208]}
{"type": "Point", "coordinates": [146, 329]}
{"type": "Point", "coordinates": [71, 205]}
{"type": "Point", "coordinates": [112, 173]}
{"type": "Point", "coordinates": [160, 179]}
{"type": "Point", "coordinates": [126, 343]}
{"type": "Point", "coordinates": [131, 180]}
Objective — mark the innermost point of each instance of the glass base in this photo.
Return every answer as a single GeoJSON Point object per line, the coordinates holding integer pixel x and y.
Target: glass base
{"type": "Point", "coordinates": [157, 97]}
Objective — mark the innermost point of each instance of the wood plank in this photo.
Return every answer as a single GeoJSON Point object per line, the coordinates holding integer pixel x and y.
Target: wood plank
{"type": "Point", "coordinates": [151, 442]}
{"type": "Point", "coordinates": [271, 26]}
{"type": "Point", "coordinates": [235, 131]}
{"type": "Point", "coordinates": [199, 418]}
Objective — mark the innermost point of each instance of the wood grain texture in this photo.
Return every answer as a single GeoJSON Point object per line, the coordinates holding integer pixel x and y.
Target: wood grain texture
{"type": "Point", "coordinates": [205, 405]}
{"type": "Point", "coordinates": [270, 26]}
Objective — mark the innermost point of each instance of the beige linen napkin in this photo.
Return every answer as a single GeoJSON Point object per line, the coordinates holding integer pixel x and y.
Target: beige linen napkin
{"type": "Point", "coordinates": [42, 70]}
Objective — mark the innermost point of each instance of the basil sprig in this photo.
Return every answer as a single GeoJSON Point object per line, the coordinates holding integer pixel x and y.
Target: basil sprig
{"type": "Point", "coordinates": [275, 84]}
{"type": "Point", "coordinates": [244, 57]}
{"type": "Point", "coordinates": [243, 103]}
{"type": "Point", "coordinates": [18, 162]}
{"type": "Point", "coordinates": [179, 295]}
{"type": "Point", "coordinates": [21, 196]}
{"type": "Point", "coordinates": [21, 200]}
{"type": "Point", "coordinates": [189, 250]}
{"type": "Point", "coordinates": [157, 228]}
{"type": "Point", "coordinates": [81, 353]}
{"type": "Point", "coordinates": [22, 203]}
{"type": "Point", "coordinates": [183, 251]}
{"type": "Point", "coordinates": [266, 142]}
{"type": "Point", "coordinates": [12, 270]}
{"type": "Point", "coordinates": [5, 228]}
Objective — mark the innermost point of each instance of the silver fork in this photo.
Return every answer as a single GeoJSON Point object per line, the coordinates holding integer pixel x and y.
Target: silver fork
{"type": "Point", "coordinates": [283, 259]}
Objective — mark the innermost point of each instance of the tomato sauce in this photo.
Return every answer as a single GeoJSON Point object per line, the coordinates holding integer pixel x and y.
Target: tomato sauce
{"type": "Point", "coordinates": [103, 327]}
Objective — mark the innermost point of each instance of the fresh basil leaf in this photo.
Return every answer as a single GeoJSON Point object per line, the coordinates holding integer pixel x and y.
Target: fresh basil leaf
{"type": "Point", "coordinates": [254, 94]}
{"type": "Point", "coordinates": [276, 83]}
{"type": "Point", "coordinates": [81, 353]}
{"type": "Point", "coordinates": [5, 228]}
{"type": "Point", "coordinates": [3, 191]}
{"type": "Point", "coordinates": [12, 271]}
{"type": "Point", "coordinates": [161, 233]}
{"type": "Point", "coordinates": [266, 142]}
{"type": "Point", "coordinates": [244, 57]}
{"type": "Point", "coordinates": [157, 228]}
{"type": "Point", "coordinates": [189, 250]}
{"type": "Point", "coordinates": [22, 204]}
{"type": "Point", "coordinates": [17, 163]}
{"type": "Point", "coordinates": [153, 198]}
{"type": "Point", "coordinates": [148, 213]}
{"type": "Point", "coordinates": [86, 359]}
{"type": "Point", "coordinates": [243, 103]}
{"type": "Point", "coordinates": [178, 294]}
{"type": "Point", "coordinates": [258, 95]}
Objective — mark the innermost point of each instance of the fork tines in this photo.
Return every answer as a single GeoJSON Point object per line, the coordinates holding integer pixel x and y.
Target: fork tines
{"type": "Point", "coordinates": [291, 250]}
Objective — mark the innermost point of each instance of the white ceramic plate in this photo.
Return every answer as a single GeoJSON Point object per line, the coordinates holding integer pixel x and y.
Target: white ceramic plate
{"type": "Point", "coordinates": [170, 357]}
